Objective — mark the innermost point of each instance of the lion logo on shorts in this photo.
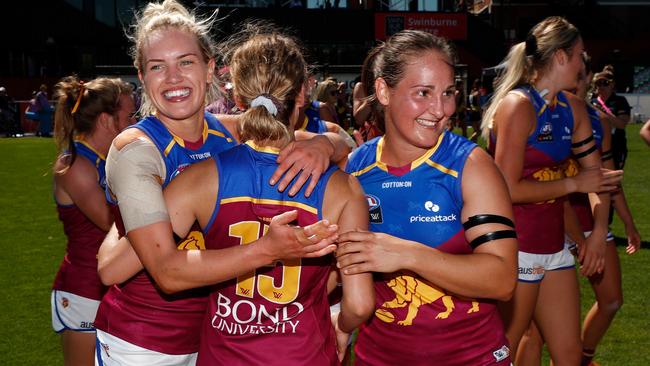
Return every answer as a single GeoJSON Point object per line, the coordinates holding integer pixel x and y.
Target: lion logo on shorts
{"type": "Point", "coordinates": [412, 292]}
{"type": "Point", "coordinates": [194, 240]}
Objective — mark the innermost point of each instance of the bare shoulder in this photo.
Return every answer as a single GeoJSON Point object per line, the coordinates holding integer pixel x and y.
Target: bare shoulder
{"type": "Point", "coordinates": [128, 136]}
{"type": "Point", "coordinates": [345, 184]}
{"type": "Point", "coordinates": [230, 122]}
{"type": "Point", "coordinates": [81, 173]}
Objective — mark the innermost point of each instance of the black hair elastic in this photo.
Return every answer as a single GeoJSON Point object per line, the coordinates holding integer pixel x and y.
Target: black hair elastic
{"type": "Point", "coordinates": [531, 45]}
{"type": "Point", "coordinates": [586, 152]}
{"type": "Point", "coordinates": [494, 235]}
{"type": "Point", "coordinates": [487, 219]}
{"type": "Point", "coordinates": [583, 142]}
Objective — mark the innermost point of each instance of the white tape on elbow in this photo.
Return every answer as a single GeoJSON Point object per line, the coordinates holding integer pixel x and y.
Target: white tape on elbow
{"type": "Point", "coordinates": [133, 175]}
{"type": "Point", "coordinates": [347, 138]}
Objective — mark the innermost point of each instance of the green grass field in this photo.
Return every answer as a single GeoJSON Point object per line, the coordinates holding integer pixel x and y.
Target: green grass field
{"type": "Point", "coordinates": [32, 245]}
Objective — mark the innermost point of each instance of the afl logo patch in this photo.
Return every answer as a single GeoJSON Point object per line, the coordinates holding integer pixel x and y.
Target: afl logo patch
{"type": "Point", "coordinates": [374, 206]}
{"type": "Point", "coordinates": [545, 133]}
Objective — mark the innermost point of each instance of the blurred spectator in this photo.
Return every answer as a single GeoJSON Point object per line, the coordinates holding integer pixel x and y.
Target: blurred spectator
{"type": "Point", "coordinates": [343, 108]}
{"type": "Point", "coordinates": [43, 109]}
{"type": "Point", "coordinates": [458, 118]}
{"type": "Point", "coordinates": [8, 120]}
{"type": "Point", "coordinates": [616, 110]}
{"type": "Point", "coordinates": [474, 109]}
{"type": "Point", "coordinates": [327, 93]}
{"type": "Point", "coordinates": [226, 103]}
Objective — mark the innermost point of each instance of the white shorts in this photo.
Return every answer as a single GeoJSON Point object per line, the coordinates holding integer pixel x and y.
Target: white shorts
{"type": "Point", "coordinates": [72, 312]}
{"type": "Point", "coordinates": [113, 351]}
{"type": "Point", "coordinates": [532, 267]}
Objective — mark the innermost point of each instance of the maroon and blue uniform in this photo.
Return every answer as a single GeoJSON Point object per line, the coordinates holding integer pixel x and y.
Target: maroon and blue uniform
{"type": "Point", "coordinates": [137, 311]}
{"type": "Point", "coordinates": [274, 315]}
{"type": "Point", "coordinates": [78, 271]}
{"type": "Point", "coordinates": [540, 225]}
{"type": "Point", "coordinates": [417, 322]}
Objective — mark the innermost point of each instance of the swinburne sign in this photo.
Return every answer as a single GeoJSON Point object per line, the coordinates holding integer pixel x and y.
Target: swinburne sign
{"type": "Point", "coordinates": [449, 25]}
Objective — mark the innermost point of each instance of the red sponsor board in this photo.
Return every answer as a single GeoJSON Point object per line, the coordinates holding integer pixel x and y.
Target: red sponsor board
{"type": "Point", "coordinates": [449, 25]}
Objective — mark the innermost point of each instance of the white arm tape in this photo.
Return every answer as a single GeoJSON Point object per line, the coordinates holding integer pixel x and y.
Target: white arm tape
{"type": "Point", "coordinates": [347, 138]}
{"type": "Point", "coordinates": [133, 176]}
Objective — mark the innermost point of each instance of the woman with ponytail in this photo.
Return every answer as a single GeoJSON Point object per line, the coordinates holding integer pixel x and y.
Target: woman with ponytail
{"type": "Point", "coordinates": [533, 127]}
{"type": "Point", "coordinates": [88, 116]}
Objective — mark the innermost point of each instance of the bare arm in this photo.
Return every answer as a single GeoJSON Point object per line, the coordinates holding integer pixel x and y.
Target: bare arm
{"type": "Point", "coordinates": [358, 299]}
{"type": "Point", "coordinates": [360, 105]}
{"type": "Point", "coordinates": [592, 254]}
{"type": "Point", "coordinates": [79, 184]}
{"type": "Point", "coordinates": [116, 259]}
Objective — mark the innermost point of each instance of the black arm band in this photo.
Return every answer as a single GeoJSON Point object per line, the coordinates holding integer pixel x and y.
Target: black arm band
{"type": "Point", "coordinates": [487, 219]}
{"type": "Point", "coordinates": [585, 153]}
{"type": "Point", "coordinates": [607, 155]}
{"type": "Point", "coordinates": [494, 235]}
{"type": "Point", "coordinates": [583, 142]}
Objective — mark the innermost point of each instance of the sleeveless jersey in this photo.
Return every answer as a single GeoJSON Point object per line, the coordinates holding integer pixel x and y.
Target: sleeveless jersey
{"type": "Point", "coordinates": [277, 314]}
{"type": "Point", "coordinates": [580, 201]}
{"type": "Point", "coordinates": [313, 122]}
{"type": "Point", "coordinates": [78, 270]}
{"type": "Point", "coordinates": [136, 311]}
{"type": "Point", "coordinates": [417, 322]}
{"type": "Point", "coordinates": [540, 225]}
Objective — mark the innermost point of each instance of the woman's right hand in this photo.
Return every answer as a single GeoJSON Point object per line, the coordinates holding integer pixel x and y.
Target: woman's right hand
{"type": "Point", "coordinates": [284, 241]}
{"type": "Point", "coordinates": [597, 180]}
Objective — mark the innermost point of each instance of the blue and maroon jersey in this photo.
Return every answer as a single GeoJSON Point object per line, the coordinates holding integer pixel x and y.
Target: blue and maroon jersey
{"type": "Point", "coordinates": [540, 225]}
{"type": "Point", "coordinates": [179, 154]}
{"type": "Point", "coordinates": [277, 314]}
{"type": "Point", "coordinates": [580, 201]}
{"type": "Point", "coordinates": [137, 311]}
{"type": "Point", "coordinates": [78, 270]}
{"type": "Point", "coordinates": [313, 122]}
{"type": "Point", "coordinates": [417, 322]}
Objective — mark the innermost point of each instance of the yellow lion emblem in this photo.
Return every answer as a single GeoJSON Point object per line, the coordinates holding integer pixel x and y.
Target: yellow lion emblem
{"type": "Point", "coordinates": [414, 293]}
{"type": "Point", "coordinates": [193, 240]}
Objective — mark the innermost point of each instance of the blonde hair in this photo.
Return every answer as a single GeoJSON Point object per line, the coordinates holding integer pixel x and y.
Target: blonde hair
{"type": "Point", "coordinates": [79, 105]}
{"type": "Point", "coordinates": [269, 65]}
{"type": "Point", "coordinates": [172, 14]}
{"type": "Point", "coordinates": [321, 93]}
{"type": "Point", "coordinates": [526, 59]}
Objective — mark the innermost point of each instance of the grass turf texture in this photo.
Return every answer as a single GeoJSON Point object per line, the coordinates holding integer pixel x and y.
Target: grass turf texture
{"type": "Point", "coordinates": [32, 246]}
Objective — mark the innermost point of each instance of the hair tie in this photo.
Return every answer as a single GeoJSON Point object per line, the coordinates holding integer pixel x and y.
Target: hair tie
{"type": "Point", "coordinates": [269, 102]}
{"type": "Point", "coordinates": [531, 45]}
{"type": "Point", "coordinates": [81, 93]}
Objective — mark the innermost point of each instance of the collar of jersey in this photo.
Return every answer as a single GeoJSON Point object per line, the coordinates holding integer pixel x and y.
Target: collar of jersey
{"type": "Point", "coordinates": [86, 144]}
{"type": "Point", "coordinates": [264, 149]}
{"type": "Point", "coordinates": [204, 135]}
{"type": "Point", "coordinates": [415, 163]}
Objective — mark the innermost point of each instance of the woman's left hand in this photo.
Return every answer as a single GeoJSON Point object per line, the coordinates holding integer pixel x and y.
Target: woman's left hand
{"type": "Point", "coordinates": [305, 159]}
{"type": "Point", "coordinates": [633, 240]}
{"type": "Point", "coordinates": [365, 251]}
{"type": "Point", "coordinates": [592, 256]}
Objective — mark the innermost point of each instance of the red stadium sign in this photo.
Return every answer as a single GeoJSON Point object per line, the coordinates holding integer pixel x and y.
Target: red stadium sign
{"type": "Point", "coordinates": [449, 25]}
